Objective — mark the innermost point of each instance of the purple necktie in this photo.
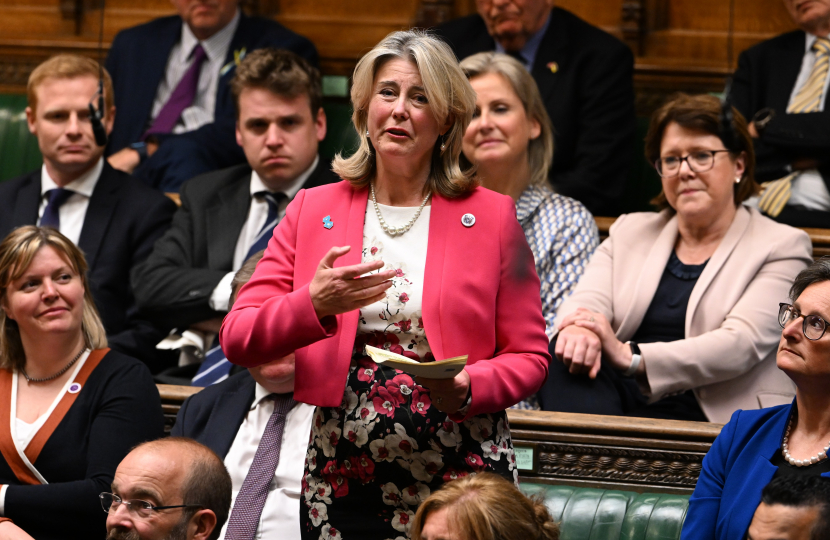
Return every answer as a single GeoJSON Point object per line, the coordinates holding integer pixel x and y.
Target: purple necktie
{"type": "Point", "coordinates": [51, 216]}
{"type": "Point", "coordinates": [182, 96]}
{"type": "Point", "coordinates": [244, 519]}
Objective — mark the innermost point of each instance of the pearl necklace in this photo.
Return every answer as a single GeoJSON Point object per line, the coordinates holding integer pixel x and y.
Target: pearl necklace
{"type": "Point", "coordinates": [396, 231]}
{"type": "Point", "coordinates": [56, 375]}
{"type": "Point", "coordinates": [785, 451]}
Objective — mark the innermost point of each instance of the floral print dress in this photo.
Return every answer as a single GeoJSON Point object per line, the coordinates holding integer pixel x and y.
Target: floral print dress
{"type": "Point", "coordinates": [372, 460]}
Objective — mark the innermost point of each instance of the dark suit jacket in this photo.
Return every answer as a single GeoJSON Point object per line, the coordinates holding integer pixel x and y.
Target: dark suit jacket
{"type": "Point", "coordinates": [137, 69]}
{"type": "Point", "coordinates": [590, 100]}
{"type": "Point", "coordinates": [213, 416]}
{"type": "Point", "coordinates": [765, 77]}
{"type": "Point", "coordinates": [174, 284]}
{"type": "Point", "coordinates": [117, 408]}
{"type": "Point", "coordinates": [735, 471]}
{"type": "Point", "coordinates": [123, 220]}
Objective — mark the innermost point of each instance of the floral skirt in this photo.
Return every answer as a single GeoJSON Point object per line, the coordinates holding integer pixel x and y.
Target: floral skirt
{"type": "Point", "coordinates": [372, 460]}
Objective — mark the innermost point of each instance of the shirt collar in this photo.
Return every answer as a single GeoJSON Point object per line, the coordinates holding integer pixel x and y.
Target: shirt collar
{"type": "Point", "coordinates": [216, 46]}
{"type": "Point", "coordinates": [258, 185]}
{"type": "Point", "coordinates": [531, 47]}
{"type": "Point", "coordinates": [260, 393]}
{"type": "Point", "coordinates": [84, 185]}
{"type": "Point", "coordinates": [530, 200]}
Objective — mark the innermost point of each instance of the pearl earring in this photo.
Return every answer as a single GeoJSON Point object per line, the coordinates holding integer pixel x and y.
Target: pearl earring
{"type": "Point", "coordinates": [367, 132]}
{"type": "Point", "coordinates": [737, 179]}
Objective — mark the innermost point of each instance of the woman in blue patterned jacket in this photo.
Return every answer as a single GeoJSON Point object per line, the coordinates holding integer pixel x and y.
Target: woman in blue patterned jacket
{"type": "Point", "coordinates": [510, 139]}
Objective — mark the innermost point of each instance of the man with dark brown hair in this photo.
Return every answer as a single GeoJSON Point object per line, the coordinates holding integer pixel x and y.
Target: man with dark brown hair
{"type": "Point", "coordinates": [228, 215]}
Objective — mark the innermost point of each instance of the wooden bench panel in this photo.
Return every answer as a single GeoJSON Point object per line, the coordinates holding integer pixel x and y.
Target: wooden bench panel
{"type": "Point", "coordinates": [584, 450]}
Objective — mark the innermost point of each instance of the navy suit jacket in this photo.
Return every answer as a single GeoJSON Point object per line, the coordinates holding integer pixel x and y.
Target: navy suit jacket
{"type": "Point", "coordinates": [137, 61]}
{"type": "Point", "coordinates": [122, 222]}
{"type": "Point", "coordinates": [765, 77]}
{"type": "Point", "coordinates": [213, 416]}
{"type": "Point", "coordinates": [735, 471]}
{"type": "Point", "coordinates": [589, 98]}
{"type": "Point", "coordinates": [173, 286]}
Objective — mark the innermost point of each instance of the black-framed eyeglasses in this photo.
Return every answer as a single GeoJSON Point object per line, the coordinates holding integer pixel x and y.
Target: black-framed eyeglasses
{"type": "Point", "coordinates": [813, 326]}
{"type": "Point", "coordinates": [110, 503]}
{"type": "Point", "coordinates": [698, 162]}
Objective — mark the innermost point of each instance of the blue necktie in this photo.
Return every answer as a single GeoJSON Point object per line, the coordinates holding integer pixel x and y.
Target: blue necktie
{"type": "Point", "coordinates": [51, 216]}
{"type": "Point", "coordinates": [215, 368]}
{"type": "Point", "coordinates": [267, 230]}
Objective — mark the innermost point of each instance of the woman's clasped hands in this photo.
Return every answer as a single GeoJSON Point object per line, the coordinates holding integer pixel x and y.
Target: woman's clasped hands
{"type": "Point", "coordinates": [584, 336]}
{"type": "Point", "coordinates": [340, 290]}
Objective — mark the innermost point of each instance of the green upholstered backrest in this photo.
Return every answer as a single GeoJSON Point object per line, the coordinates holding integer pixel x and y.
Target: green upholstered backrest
{"type": "Point", "coordinates": [19, 152]}
{"type": "Point", "coordinates": [601, 514]}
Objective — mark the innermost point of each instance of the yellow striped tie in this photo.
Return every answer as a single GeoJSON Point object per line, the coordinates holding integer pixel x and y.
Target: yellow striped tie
{"type": "Point", "coordinates": [807, 100]}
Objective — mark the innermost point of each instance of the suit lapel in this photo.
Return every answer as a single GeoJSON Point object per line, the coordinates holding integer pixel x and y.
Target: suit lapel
{"type": "Point", "coordinates": [787, 65]}
{"type": "Point", "coordinates": [228, 411]}
{"type": "Point", "coordinates": [553, 48]}
{"type": "Point", "coordinates": [433, 270]}
{"type": "Point", "coordinates": [727, 245]}
{"type": "Point", "coordinates": [153, 66]}
{"type": "Point", "coordinates": [225, 218]}
{"type": "Point", "coordinates": [650, 274]}
{"type": "Point", "coordinates": [28, 201]}
{"type": "Point", "coordinates": [102, 205]}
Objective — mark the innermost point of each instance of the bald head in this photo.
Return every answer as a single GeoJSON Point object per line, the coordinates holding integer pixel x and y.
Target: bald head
{"type": "Point", "coordinates": [171, 472]}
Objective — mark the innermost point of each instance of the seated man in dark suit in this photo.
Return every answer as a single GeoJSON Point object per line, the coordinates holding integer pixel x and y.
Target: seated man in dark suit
{"type": "Point", "coordinates": [171, 79]}
{"type": "Point", "coordinates": [227, 215]}
{"type": "Point", "coordinates": [585, 78]}
{"type": "Point", "coordinates": [781, 85]}
{"type": "Point", "coordinates": [232, 418]}
{"type": "Point", "coordinates": [112, 217]}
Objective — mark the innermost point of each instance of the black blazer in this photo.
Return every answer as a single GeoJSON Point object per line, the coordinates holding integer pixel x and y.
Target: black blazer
{"type": "Point", "coordinates": [173, 286]}
{"type": "Point", "coordinates": [213, 416]}
{"type": "Point", "coordinates": [590, 100]}
{"type": "Point", "coordinates": [118, 408]}
{"type": "Point", "coordinates": [765, 77]}
{"type": "Point", "coordinates": [123, 220]}
{"type": "Point", "coordinates": [137, 69]}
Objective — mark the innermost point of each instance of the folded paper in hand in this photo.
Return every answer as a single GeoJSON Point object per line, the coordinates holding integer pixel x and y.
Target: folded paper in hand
{"type": "Point", "coordinates": [441, 369]}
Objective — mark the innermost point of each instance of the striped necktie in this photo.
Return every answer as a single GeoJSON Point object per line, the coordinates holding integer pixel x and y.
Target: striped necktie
{"type": "Point", "coordinates": [264, 235]}
{"type": "Point", "coordinates": [808, 100]}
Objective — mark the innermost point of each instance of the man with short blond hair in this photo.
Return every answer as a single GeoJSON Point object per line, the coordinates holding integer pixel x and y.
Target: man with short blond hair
{"type": "Point", "coordinates": [113, 218]}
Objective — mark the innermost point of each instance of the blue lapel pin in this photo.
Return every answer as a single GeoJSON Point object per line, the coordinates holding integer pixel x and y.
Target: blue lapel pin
{"type": "Point", "coordinates": [327, 222]}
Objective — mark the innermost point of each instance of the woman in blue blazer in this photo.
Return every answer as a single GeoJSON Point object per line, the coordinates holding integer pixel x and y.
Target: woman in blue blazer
{"type": "Point", "coordinates": [757, 446]}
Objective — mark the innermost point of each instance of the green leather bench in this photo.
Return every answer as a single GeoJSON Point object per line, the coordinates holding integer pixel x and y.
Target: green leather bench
{"type": "Point", "coordinates": [604, 514]}
{"type": "Point", "coordinates": [19, 152]}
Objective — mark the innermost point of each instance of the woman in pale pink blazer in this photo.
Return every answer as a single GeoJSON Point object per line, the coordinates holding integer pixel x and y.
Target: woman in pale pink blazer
{"type": "Point", "coordinates": [407, 255]}
{"type": "Point", "coordinates": [675, 316]}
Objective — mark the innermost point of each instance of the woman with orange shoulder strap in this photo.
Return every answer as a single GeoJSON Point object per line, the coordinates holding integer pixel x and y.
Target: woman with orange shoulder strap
{"type": "Point", "coordinates": [70, 409]}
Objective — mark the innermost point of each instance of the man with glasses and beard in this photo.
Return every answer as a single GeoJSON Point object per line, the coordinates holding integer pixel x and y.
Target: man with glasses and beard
{"type": "Point", "coordinates": [169, 489]}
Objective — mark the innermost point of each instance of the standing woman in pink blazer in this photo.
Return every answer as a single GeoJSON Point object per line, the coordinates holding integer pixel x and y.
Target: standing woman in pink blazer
{"type": "Point", "coordinates": [406, 254]}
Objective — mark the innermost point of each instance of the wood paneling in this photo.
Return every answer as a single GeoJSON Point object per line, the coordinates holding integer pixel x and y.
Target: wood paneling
{"type": "Point", "coordinates": [678, 44]}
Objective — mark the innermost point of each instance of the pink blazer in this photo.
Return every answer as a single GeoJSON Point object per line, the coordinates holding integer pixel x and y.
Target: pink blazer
{"type": "Point", "coordinates": [480, 298]}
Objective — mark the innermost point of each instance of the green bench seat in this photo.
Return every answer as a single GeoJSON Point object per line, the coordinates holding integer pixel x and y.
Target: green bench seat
{"type": "Point", "coordinates": [604, 514]}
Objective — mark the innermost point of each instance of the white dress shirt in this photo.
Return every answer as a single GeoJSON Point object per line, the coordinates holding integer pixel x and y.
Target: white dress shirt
{"type": "Point", "coordinates": [257, 214]}
{"type": "Point", "coordinates": [73, 211]}
{"type": "Point", "coordinates": [216, 47]}
{"type": "Point", "coordinates": [808, 187]}
{"type": "Point", "coordinates": [281, 515]}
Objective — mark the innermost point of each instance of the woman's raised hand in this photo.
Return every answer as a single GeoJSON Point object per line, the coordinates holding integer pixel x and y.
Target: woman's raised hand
{"type": "Point", "coordinates": [340, 290]}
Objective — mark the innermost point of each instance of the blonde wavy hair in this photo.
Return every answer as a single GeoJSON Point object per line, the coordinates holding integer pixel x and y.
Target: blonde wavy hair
{"type": "Point", "coordinates": [485, 506]}
{"type": "Point", "coordinates": [17, 251]}
{"type": "Point", "coordinates": [450, 98]}
{"type": "Point", "coordinates": [540, 149]}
